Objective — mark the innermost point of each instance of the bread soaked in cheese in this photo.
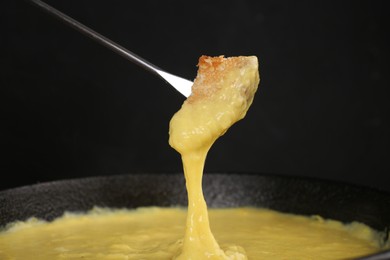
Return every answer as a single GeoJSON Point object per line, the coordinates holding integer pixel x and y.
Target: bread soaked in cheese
{"type": "Point", "coordinates": [221, 95]}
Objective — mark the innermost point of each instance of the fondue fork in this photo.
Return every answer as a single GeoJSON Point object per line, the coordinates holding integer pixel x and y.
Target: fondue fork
{"type": "Point", "coordinates": [180, 84]}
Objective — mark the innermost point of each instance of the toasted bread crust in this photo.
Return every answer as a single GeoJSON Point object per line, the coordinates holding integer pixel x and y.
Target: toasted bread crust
{"type": "Point", "coordinates": [211, 71]}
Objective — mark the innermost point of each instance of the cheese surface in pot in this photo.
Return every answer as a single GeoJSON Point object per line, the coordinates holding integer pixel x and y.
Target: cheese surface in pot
{"type": "Point", "coordinates": [157, 233]}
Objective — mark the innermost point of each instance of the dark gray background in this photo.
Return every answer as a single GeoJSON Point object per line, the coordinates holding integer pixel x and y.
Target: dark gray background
{"type": "Point", "coordinates": [71, 108]}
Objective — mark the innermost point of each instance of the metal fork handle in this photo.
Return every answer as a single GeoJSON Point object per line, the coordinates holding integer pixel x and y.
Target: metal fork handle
{"type": "Point", "coordinates": [98, 37]}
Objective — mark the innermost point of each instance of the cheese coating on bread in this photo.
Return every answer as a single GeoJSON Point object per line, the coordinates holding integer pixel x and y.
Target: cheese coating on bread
{"type": "Point", "coordinates": [221, 95]}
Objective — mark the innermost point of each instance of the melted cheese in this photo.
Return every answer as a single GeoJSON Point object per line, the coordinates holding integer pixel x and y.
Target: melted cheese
{"type": "Point", "coordinates": [221, 95]}
{"type": "Point", "coordinates": [156, 233]}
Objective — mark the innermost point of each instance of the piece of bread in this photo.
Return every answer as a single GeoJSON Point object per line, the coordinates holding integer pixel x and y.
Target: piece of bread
{"type": "Point", "coordinates": [223, 90]}
{"type": "Point", "coordinates": [212, 73]}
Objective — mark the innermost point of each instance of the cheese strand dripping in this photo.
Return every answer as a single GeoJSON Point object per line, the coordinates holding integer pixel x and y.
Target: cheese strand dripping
{"type": "Point", "coordinates": [221, 95]}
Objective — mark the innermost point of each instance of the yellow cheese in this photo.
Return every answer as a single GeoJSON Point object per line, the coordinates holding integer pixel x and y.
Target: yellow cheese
{"type": "Point", "coordinates": [221, 95]}
{"type": "Point", "coordinates": [157, 233]}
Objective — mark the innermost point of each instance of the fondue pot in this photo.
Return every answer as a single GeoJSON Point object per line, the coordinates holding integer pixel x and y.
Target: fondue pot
{"type": "Point", "coordinates": [297, 195]}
